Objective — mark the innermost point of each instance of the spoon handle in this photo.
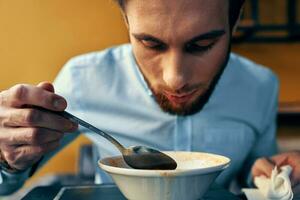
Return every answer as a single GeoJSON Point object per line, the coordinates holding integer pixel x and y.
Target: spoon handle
{"type": "Point", "coordinates": [92, 128]}
{"type": "Point", "coordinates": [77, 120]}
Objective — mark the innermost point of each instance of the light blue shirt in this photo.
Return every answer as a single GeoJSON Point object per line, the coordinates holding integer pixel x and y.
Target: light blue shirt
{"type": "Point", "coordinates": [108, 90]}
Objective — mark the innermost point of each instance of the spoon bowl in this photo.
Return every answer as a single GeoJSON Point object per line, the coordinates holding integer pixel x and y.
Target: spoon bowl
{"type": "Point", "coordinates": [141, 157]}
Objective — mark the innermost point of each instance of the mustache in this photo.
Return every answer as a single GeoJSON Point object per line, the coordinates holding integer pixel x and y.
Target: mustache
{"type": "Point", "coordinates": [186, 89]}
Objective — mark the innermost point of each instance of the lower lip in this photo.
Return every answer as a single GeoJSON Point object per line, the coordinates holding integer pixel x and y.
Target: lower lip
{"type": "Point", "coordinates": [180, 100]}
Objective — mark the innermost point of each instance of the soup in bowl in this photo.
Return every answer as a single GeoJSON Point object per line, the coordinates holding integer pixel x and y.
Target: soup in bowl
{"type": "Point", "coordinates": [190, 180]}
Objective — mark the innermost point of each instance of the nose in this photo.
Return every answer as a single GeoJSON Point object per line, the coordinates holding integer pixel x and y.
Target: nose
{"type": "Point", "coordinates": [175, 74]}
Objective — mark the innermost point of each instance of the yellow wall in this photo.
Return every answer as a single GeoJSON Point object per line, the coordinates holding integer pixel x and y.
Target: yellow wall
{"type": "Point", "coordinates": [38, 36]}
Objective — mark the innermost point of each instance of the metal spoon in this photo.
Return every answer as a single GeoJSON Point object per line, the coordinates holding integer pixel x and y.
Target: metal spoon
{"type": "Point", "coordinates": [138, 157]}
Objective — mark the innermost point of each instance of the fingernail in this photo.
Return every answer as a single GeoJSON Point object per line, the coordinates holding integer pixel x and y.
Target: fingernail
{"type": "Point", "coordinates": [59, 104]}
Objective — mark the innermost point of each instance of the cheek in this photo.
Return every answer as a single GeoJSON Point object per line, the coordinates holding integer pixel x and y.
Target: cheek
{"type": "Point", "coordinates": [209, 64]}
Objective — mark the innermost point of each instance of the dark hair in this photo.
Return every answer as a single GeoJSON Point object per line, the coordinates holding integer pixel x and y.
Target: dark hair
{"type": "Point", "coordinates": [234, 10]}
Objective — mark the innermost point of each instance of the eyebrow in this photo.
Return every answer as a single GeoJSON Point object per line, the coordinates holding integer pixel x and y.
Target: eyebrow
{"type": "Point", "coordinates": [144, 36]}
{"type": "Point", "coordinates": [206, 36]}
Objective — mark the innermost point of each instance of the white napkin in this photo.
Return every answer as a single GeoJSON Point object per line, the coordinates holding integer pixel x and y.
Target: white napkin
{"type": "Point", "coordinates": [278, 187]}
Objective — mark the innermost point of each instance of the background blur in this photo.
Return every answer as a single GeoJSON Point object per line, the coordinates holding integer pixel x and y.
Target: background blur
{"type": "Point", "coordinates": [38, 37]}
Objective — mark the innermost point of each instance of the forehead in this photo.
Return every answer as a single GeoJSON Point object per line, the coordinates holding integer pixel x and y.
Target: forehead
{"type": "Point", "coordinates": [177, 15]}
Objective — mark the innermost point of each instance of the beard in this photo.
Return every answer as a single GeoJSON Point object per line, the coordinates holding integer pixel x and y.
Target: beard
{"type": "Point", "coordinates": [197, 104]}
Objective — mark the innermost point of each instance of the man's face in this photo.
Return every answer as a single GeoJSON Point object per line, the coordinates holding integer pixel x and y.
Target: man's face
{"type": "Point", "coordinates": [180, 47]}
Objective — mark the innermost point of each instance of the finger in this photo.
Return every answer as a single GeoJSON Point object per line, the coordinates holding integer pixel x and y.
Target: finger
{"type": "Point", "coordinates": [293, 159]}
{"type": "Point", "coordinates": [22, 95]}
{"type": "Point", "coordinates": [262, 166]}
{"type": "Point", "coordinates": [46, 86]}
{"type": "Point", "coordinates": [30, 117]}
{"type": "Point", "coordinates": [24, 156]}
{"type": "Point", "coordinates": [29, 136]}
{"type": "Point", "coordinates": [25, 162]}
{"type": "Point", "coordinates": [280, 160]}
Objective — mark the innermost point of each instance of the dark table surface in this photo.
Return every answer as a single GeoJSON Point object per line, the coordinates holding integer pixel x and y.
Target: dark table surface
{"type": "Point", "coordinates": [105, 192]}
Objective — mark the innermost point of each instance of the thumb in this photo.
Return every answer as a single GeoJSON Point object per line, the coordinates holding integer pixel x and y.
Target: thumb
{"type": "Point", "coordinates": [263, 166]}
{"type": "Point", "coordinates": [46, 86]}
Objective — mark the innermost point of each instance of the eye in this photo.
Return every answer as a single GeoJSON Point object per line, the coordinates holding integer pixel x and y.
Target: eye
{"type": "Point", "coordinates": [152, 44]}
{"type": "Point", "coordinates": [199, 47]}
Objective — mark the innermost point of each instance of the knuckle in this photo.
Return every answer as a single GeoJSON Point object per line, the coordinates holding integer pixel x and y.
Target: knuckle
{"type": "Point", "coordinates": [34, 135]}
{"type": "Point", "coordinates": [18, 92]}
{"type": "Point", "coordinates": [3, 97]}
{"type": "Point", "coordinates": [255, 166]}
{"type": "Point", "coordinates": [258, 164]}
{"type": "Point", "coordinates": [10, 139]}
{"type": "Point", "coordinates": [10, 156]}
{"type": "Point", "coordinates": [8, 119]}
{"type": "Point", "coordinates": [4, 122]}
{"type": "Point", "coordinates": [259, 161]}
{"type": "Point", "coordinates": [31, 116]}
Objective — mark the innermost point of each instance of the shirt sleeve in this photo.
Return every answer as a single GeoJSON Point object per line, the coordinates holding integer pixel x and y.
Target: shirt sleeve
{"type": "Point", "coordinates": [266, 144]}
{"type": "Point", "coordinates": [64, 86]}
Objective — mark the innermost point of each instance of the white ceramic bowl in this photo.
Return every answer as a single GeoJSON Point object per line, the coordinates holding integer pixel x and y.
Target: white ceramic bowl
{"type": "Point", "coordinates": [189, 181]}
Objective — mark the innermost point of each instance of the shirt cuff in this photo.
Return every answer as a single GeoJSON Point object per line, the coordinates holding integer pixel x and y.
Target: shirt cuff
{"type": "Point", "coordinates": [13, 178]}
{"type": "Point", "coordinates": [9, 183]}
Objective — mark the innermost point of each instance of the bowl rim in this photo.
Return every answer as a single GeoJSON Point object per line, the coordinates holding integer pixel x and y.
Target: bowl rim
{"type": "Point", "coordinates": [166, 173]}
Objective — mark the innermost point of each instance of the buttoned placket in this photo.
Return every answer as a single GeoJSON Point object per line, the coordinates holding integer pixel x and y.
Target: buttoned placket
{"type": "Point", "coordinates": [183, 134]}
